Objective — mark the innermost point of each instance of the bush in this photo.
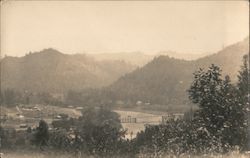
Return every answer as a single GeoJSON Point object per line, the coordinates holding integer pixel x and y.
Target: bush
{"type": "Point", "coordinates": [41, 135]}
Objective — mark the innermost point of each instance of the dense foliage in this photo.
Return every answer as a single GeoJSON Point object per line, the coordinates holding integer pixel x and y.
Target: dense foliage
{"type": "Point", "coordinates": [11, 98]}
{"type": "Point", "coordinates": [41, 134]}
{"type": "Point", "coordinates": [220, 124]}
{"type": "Point", "coordinates": [220, 110]}
{"type": "Point", "coordinates": [97, 132]}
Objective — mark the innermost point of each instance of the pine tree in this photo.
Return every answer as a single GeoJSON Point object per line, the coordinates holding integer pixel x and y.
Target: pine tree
{"type": "Point", "coordinates": [243, 79]}
{"type": "Point", "coordinates": [244, 96]}
{"type": "Point", "coordinates": [233, 131]}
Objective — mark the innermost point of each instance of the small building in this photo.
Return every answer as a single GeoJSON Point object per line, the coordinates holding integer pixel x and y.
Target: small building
{"type": "Point", "coordinates": [139, 102]}
{"type": "Point", "coordinates": [79, 108]}
{"type": "Point", "coordinates": [71, 106]}
{"type": "Point", "coordinates": [23, 126]}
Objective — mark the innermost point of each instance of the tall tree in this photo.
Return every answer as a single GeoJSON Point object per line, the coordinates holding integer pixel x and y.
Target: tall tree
{"type": "Point", "coordinates": [244, 93]}
{"type": "Point", "coordinates": [243, 79]}
{"type": "Point", "coordinates": [205, 91]}
{"type": "Point", "coordinates": [220, 110]}
{"type": "Point", "coordinates": [233, 131]}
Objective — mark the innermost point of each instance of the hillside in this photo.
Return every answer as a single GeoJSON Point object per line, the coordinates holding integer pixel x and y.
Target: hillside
{"type": "Point", "coordinates": [162, 81]}
{"type": "Point", "coordinates": [55, 72]}
{"type": "Point", "coordinates": [165, 80]}
{"type": "Point", "coordinates": [229, 58]}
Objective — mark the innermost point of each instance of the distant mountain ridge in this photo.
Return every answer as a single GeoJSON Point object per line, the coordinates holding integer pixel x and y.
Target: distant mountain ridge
{"type": "Point", "coordinates": [165, 80]}
{"type": "Point", "coordinates": [133, 58]}
{"type": "Point", "coordinates": [52, 71]}
{"type": "Point", "coordinates": [140, 58]}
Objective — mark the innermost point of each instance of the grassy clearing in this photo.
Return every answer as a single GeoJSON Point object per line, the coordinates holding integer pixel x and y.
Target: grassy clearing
{"type": "Point", "coordinates": [142, 120]}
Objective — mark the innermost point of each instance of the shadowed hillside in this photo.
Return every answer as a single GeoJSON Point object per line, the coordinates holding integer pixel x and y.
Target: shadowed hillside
{"type": "Point", "coordinates": [165, 80]}
{"type": "Point", "coordinates": [52, 71]}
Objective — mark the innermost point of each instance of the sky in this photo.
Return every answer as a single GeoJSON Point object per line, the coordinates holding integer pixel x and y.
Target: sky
{"type": "Point", "coordinates": [122, 26]}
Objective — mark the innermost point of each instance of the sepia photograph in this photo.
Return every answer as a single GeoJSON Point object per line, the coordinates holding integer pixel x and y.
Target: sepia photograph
{"type": "Point", "coordinates": [124, 79]}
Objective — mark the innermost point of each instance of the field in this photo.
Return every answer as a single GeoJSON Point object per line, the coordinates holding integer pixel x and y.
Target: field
{"type": "Point", "coordinates": [142, 119]}
{"type": "Point", "coordinates": [31, 114]}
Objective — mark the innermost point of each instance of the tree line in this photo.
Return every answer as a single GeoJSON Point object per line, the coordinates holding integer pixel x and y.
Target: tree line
{"type": "Point", "coordinates": [10, 98]}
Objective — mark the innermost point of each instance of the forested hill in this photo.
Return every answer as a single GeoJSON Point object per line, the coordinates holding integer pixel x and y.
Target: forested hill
{"type": "Point", "coordinates": [165, 80]}
{"type": "Point", "coordinates": [52, 71]}
{"type": "Point", "coordinates": [162, 81]}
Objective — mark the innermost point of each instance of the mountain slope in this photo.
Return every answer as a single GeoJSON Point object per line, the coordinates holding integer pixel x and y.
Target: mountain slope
{"type": "Point", "coordinates": [52, 71]}
{"type": "Point", "coordinates": [229, 58]}
{"type": "Point", "coordinates": [140, 59]}
{"type": "Point", "coordinates": [162, 81]}
{"type": "Point", "coordinates": [165, 80]}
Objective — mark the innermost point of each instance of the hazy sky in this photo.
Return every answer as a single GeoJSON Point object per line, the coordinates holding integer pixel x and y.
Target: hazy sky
{"type": "Point", "coordinates": [102, 26]}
